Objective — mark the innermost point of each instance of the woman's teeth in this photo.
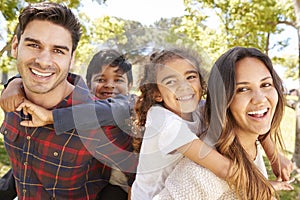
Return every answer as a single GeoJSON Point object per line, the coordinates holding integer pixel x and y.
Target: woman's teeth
{"type": "Point", "coordinates": [258, 112]}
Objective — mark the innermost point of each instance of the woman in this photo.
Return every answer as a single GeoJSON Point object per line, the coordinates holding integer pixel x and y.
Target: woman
{"type": "Point", "coordinates": [245, 103]}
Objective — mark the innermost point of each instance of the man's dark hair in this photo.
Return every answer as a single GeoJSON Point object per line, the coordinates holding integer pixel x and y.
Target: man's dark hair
{"type": "Point", "coordinates": [53, 12]}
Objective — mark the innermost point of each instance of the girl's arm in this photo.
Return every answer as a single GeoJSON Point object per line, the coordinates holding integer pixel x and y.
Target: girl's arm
{"type": "Point", "coordinates": [281, 166]}
{"type": "Point", "coordinates": [206, 156]}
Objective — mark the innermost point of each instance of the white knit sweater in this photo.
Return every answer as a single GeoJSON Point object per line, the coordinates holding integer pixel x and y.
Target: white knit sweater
{"type": "Point", "coordinates": [205, 184]}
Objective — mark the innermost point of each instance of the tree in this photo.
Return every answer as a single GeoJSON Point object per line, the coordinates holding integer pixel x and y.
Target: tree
{"type": "Point", "coordinates": [239, 22]}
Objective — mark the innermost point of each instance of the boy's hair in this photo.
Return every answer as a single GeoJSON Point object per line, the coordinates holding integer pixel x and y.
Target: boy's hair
{"type": "Point", "coordinates": [52, 12]}
{"type": "Point", "coordinates": [111, 58]}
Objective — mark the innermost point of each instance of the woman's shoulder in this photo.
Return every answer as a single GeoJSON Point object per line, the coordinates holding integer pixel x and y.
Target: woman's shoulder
{"type": "Point", "coordinates": [192, 179]}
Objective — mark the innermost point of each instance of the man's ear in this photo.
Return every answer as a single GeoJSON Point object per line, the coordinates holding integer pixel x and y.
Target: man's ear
{"type": "Point", "coordinates": [14, 47]}
{"type": "Point", "coordinates": [72, 64]}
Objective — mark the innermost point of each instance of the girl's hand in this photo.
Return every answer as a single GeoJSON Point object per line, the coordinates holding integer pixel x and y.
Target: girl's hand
{"type": "Point", "coordinates": [282, 168]}
{"type": "Point", "coordinates": [282, 185]}
{"type": "Point", "coordinates": [39, 115]}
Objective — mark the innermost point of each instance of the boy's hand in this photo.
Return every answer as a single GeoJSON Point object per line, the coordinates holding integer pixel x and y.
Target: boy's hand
{"type": "Point", "coordinates": [39, 115]}
{"type": "Point", "coordinates": [12, 96]}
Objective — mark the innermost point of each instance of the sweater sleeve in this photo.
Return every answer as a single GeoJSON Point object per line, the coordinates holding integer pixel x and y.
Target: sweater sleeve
{"type": "Point", "coordinates": [93, 115]}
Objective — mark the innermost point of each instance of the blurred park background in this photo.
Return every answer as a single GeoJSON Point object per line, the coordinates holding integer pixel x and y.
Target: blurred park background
{"type": "Point", "coordinates": [137, 27]}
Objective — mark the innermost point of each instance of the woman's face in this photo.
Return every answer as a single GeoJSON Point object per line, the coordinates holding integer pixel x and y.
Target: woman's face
{"type": "Point", "coordinates": [255, 100]}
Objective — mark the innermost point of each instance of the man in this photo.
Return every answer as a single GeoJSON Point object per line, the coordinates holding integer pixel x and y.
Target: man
{"type": "Point", "coordinates": [47, 165]}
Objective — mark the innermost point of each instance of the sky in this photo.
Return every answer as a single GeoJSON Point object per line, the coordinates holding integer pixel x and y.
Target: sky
{"type": "Point", "coordinates": [145, 11]}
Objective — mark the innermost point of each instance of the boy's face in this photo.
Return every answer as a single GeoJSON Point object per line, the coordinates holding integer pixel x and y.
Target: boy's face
{"type": "Point", "coordinates": [109, 82]}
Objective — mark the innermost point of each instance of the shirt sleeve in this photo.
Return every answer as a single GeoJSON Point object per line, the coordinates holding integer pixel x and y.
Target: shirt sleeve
{"type": "Point", "coordinates": [173, 132]}
{"type": "Point", "coordinates": [175, 135]}
{"type": "Point", "coordinates": [12, 78]}
{"type": "Point", "coordinates": [92, 115]}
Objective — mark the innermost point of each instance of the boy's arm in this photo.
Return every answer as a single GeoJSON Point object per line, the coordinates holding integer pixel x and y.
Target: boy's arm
{"type": "Point", "coordinates": [82, 117]}
{"type": "Point", "coordinates": [206, 156]}
{"type": "Point", "coordinates": [281, 166]}
{"type": "Point", "coordinates": [93, 115]}
{"type": "Point", "coordinates": [12, 95]}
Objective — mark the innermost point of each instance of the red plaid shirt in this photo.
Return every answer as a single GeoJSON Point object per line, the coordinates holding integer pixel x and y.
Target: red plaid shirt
{"type": "Point", "coordinates": [51, 166]}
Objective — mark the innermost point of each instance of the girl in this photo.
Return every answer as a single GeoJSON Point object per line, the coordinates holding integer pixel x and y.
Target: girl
{"type": "Point", "coordinates": [250, 106]}
{"type": "Point", "coordinates": [169, 107]}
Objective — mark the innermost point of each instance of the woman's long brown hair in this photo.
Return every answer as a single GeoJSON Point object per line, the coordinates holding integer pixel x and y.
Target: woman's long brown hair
{"type": "Point", "coordinates": [247, 180]}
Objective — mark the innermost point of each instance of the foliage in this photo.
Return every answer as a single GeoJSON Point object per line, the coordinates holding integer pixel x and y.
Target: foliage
{"type": "Point", "coordinates": [239, 23]}
{"type": "Point", "coordinates": [95, 33]}
{"type": "Point", "coordinates": [290, 62]}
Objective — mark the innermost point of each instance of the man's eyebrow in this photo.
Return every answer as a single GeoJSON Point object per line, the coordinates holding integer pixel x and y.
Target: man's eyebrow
{"type": "Point", "coordinates": [62, 47]}
{"type": "Point", "coordinates": [32, 40]}
{"type": "Point", "coordinates": [38, 42]}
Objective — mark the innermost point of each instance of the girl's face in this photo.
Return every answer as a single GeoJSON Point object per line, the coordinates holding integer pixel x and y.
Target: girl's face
{"type": "Point", "coordinates": [179, 85]}
{"type": "Point", "coordinates": [109, 83]}
{"type": "Point", "coordinates": [255, 100]}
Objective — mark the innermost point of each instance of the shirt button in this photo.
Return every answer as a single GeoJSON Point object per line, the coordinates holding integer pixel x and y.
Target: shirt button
{"type": "Point", "coordinates": [5, 132]}
{"type": "Point", "coordinates": [55, 154]}
{"type": "Point", "coordinates": [24, 190]}
{"type": "Point", "coordinates": [25, 163]}
{"type": "Point", "coordinates": [28, 137]}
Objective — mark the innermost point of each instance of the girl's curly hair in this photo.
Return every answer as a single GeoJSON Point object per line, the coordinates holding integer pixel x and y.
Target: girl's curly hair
{"type": "Point", "coordinates": [148, 84]}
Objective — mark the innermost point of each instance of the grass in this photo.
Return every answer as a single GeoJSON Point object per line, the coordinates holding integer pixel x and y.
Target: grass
{"type": "Point", "coordinates": [288, 129]}
{"type": "Point", "coordinates": [288, 132]}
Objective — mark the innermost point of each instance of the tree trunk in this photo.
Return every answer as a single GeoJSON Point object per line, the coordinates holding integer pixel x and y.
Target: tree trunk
{"type": "Point", "coordinates": [4, 77]}
{"type": "Point", "coordinates": [296, 156]}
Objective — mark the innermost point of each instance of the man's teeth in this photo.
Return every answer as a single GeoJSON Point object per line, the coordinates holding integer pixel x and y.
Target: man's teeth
{"type": "Point", "coordinates": [40, 73]}
{"type": "Point", "coordinates": [185, 98]}
{"type": "Point", "coordinates": [258, 112]}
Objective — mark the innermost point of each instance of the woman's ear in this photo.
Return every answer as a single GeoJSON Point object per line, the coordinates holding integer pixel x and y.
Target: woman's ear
{"type": "Point", "coordinates": [157, 96]}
